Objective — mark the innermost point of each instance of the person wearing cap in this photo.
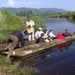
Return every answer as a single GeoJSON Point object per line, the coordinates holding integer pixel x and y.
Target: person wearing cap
{"type": "Point", "coordinates": [30, 23]}
{"type": "Point", "coordinates": [38, 33]}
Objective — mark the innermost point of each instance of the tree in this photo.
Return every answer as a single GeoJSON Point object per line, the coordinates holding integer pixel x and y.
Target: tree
{"type": "Point", "coordinates": [30, 13]}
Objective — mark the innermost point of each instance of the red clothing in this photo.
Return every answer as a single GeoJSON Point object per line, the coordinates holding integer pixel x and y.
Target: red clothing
{"type": "Point", "coordinates": [62, 46]}
{"type": "Point", "coordinates": [60, 36]}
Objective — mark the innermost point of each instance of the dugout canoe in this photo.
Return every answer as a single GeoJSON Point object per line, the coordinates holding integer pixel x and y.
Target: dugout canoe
{"type": "Point", "coordinates": [33, 48]}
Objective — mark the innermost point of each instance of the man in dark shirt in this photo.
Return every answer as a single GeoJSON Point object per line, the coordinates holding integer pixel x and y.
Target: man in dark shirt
{"type": "Point", "coordinates": [42, 39]}
{"type": "Point", "coordinates": [14, 39]}
{"type": "Point", "coordinates": [66, 33]}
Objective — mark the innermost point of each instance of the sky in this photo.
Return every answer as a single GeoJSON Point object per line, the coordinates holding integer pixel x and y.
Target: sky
{"type": "Point", "coordinates": [60, 4]}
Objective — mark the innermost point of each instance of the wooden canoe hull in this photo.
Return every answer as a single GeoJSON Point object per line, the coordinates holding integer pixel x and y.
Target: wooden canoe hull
{"type": "Point", "coordinates": [38, 47]}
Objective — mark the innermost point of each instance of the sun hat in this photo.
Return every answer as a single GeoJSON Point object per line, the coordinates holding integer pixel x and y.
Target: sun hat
{"type": "Point", "coordinates": [40, 28]}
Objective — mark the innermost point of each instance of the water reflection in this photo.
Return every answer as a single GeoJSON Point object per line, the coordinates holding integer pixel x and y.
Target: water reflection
{"type": "Point", "coordinates": [33, 59]}
{"type": "Point", "coordinates": [64, 46]}
{"type": "Point", "coordinates": [41, 56]}
{"type": "Point", "coordinates": [52, 60]}
{"type": "Point", "coordinates": [45, 56]}
{"type": "Point", "coordinates": [71, 21]}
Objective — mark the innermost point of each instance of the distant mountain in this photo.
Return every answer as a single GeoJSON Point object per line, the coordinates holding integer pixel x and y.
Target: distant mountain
{"type": "Point", "coordinates": [35, 10]}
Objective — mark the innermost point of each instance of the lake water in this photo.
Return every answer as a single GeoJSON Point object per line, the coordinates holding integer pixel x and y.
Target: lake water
{"type": "Point", "coordinates": [59, 24]}
{"type": "Point", "coordinates": [58, 60]}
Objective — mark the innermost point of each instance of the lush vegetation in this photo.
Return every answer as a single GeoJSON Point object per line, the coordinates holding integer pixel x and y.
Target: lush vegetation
{"type": "Point", "coordinates": [33, 16]}
{"type": "Point", "coordinates": [59, 15]}
{"type": "Point", "coordinates": [10, 22]}
{"type": "Point", "coordinates": [6, 68]}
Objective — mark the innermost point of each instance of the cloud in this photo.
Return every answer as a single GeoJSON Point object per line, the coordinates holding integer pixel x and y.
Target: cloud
{"type": "Point", "coordinates": [10, 3]}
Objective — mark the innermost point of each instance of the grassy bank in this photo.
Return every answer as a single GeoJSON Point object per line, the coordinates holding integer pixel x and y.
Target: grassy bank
{"type": "Point", "coordinates": [9, 23]}
{"type": "Point", "coordinates": [6, 68]}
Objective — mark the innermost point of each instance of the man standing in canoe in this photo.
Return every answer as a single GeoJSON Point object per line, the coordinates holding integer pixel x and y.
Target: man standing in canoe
{"type": "Point", "coordinates": [30, 24]}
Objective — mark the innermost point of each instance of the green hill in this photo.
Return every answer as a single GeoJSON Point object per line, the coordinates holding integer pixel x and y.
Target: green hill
{"type": "Point", "coordinates": [35, 10]}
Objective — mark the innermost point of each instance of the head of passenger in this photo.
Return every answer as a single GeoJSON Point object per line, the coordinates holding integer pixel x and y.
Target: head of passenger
{"type": "Point", "coordinates": [45, 30]}
{"type": "Point", "coordinates": [25, 32]}
{"type": "Point", "coordinates": [66, 30]}
{"type": "Point", "coordinates": [51, 31]}
{"type": "Point", "coordinates": [42, 35]}
{"type": "Point", "coordinates": [60, 33]}
{"type": "Point", "coordinates": [28, 19]}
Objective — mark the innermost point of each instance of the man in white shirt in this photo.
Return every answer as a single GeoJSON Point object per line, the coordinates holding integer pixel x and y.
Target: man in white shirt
{"type": "Point", "coordinates": [51, 34]}
{"type": "Point", "coordinates": [31, 24]}
{"type": "Point", "coordinates": [38, 33]}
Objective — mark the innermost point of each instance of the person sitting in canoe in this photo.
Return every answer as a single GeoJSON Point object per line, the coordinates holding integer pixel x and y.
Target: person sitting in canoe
{"type": "Point", "coordinates": [52, 35]}
{"type": "Point", "coordinates": [60, 36]}
{"type": "Point", "coordinates": [14, 39]}
{"type": "Point", "coordinates": [38, 33]}
{"type": "Point", "coordinates": [67, 33]}
{"type": "Point", "coordinates": [45, 33]}
{"type": "Point", "coordinates": [42, 39]}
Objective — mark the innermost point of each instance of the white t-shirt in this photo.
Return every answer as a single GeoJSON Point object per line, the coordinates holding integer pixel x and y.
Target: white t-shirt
{"type": "Point", "coordinates": [38, 34]}
{"type": "Point", "coordinates": [31, 23]}
{"type": "Point", "coordinates": [51, 34]}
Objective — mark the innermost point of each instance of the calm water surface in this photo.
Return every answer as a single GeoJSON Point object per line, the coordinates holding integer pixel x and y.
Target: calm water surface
{"type": "Point", "coordinates": [58, 60]}
{"type": "Point", "coordinates": [59, 24]}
